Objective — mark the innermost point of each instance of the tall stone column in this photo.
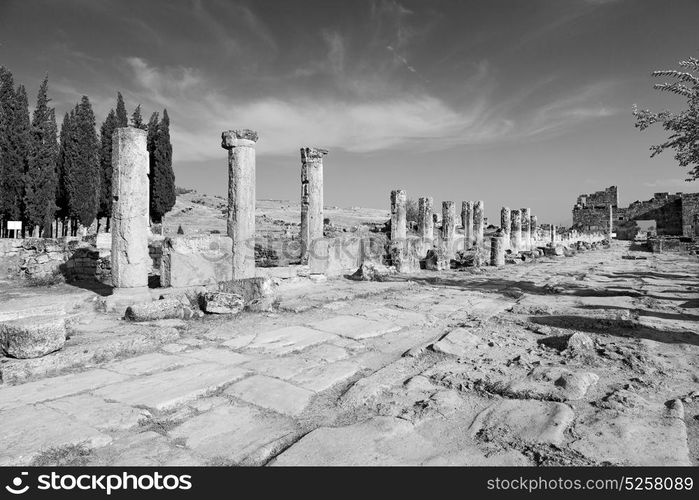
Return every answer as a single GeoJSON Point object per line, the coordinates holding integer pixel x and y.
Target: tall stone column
{"type": "Point", "coordinates": [533, 225]}
{"type": "Point", "coordinates": [311, 198]}
{"type": "Point", "coordinates": [425, 222]}
{"type": "Point", "coordinates": [497, 251]}
{"type": "Point", "coordinates": [130, 258]}
{"type": "Point", "coordinates": [506, 224]}
{"type": "Point", "coordinates": [516, 234]}
{"type": "Point", "coordinates": [553, 233]}
{"type": "Point", "coordinates": [610, 227]}
{"type": "Point", "coordinates": [467, 220]}
{"type": "Point", "coordinates": [478, 222]}
{"type": "Point", "coordinates": [448, 226]}
{"type": "Point", "coordinates": [398, 215]}
{"type": "Point", "coordinates": [241, 198]}
{"type": "Point", "coordinates": [526, 230]}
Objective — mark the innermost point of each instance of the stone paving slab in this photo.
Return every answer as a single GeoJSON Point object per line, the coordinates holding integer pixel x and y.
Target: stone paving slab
{"type": "Point", "coordinates": [145, 449]}
{"type": "Point", "coordinates": [215, 355]}
{"type": "Point", "coordinates": [56, 387]}
{"type": "Point", "coordinates": [147, 364]}
{"type": "Point", "coordinates": [239, 342]}
{"type": "Point", "coordinates": [237, 434]}
{"type": "Point", "coordinates": [400, 317]}
{"type": "Point", "coordinates": [98, 413]}
{"type": "Point", "coordinates": [355, 327]}
{"type": "Point", "coordinates": [26, 432]}
{"type": "Point", "coordinates": [289, 339]}
{"type": "Point", "coordinates": [283, 368]}
{"type": "Point", "coordinates": [320, 378]}
{"type": "Point", "coordinates": [272, 394]}
{"type": "Point", "coordinates": [167, 390]}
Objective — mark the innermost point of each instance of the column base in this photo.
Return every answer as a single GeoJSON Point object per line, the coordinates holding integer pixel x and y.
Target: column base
{"type": "Point", "coordinates": [125, 297]}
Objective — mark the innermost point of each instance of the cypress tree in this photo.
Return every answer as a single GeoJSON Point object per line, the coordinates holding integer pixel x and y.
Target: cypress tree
{"type": "Point", "coordinates": [16, 154]}
{"type": "Point", "coordinates": [137, 119]}
{"type": "Point", "coordinates": [121, 116]}
{"type": "Point", "coordinates": [162, 180]}
{"type": "Point", "coordinates": [82, 173]}
{"type": "Point", "coordinates": [66, 151]}
{"type": "Point", "coordinates": [152, 135]}
{"type": "Point", "coordinates": [40, 179]}
{"type": "Point", "coordinates": [106, 132]}
{"type": "Point", "coordinates": [6, 106]}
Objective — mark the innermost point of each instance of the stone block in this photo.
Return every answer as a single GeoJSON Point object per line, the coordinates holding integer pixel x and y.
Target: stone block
{"type": "Point", "coordinates": [222, 303]}
{"type": "Point", "coordinates": [159, 309]}
{"type": "Point", "coordinates": [199, 260]}
{"type": "Point", "coordinates": [32, 337]}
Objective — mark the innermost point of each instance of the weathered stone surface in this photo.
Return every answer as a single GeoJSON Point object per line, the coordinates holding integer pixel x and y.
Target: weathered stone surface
{"type": "Point", "coordinates": [553, 383]}
{"type": "Point", "coordinates": [32, 337]}
{"type": "Point", "coordinates": [196, 260]}
{"type": "Point", "coordinates": [437, 260]}
{"type": "Point", "coordinates": [365, 390]}
{"type": "Point", "coordinates": [460, 342]}
{"type": "Point", "coordinates": [478, 222]}
{"type": "Point", "coordinates": [222, 303]}
{"type": "Point", "coordinates": [337, 256]}
{"type": "Point", "coordinates": [425, 224]}
{"type": "Point", "coordinates": [322, 377]}
{"type": "Point", "coordinates": [24, 434]}
{"type": "Point", "coordinates": [239, 434]}
{"type": "Point", "coordinates": [98, 413]}
{"type": "Point", "coordinates": [159, 309]}
{"type": "Point", "coordinates": [272, 394]}
{"type": "Point", "coordinates": [506, 224]}
{"type": "Point", "coordinates": [311, 197]}
{"type": "Point", "coordinates": [579, 343]}
{"type": "Point", "coordinates": [289, 339]}
{"type": "Point", "coordinates": [241, 199]}
{"type": "Point", "coordinates": [448, 227]}
{"type": "Point", "coordinates": [639, 439]}
{"type": "Point", "coordinates": [398, 215]}
{"type": "Point", "coordinates": [146, 449]}
{"type": "Point", "coordinates": [216, 355]}
{"type": "Point", "coordinates": [525, 420]}
{"type": "Point", "coordinates": [497, 251]}
{"type": "Point", "coordinates": [354, 327]}
{"type": "Point", "coordinates": [129, 225]}
{"type": "Point", "coordinates": [372, 271]}
{"type": "Point", "coordinates": [467, 222]}
{"type": "Point", "coordinates": [257, 293]}
{"type": "Point", "coordinates": [167, 390]}
{"type": "Point", "coordinates": [148, 363]}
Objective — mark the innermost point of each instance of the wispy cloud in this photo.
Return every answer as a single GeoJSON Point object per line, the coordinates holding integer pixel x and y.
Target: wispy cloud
{"type": "Point", "coordinates": [200, 112]}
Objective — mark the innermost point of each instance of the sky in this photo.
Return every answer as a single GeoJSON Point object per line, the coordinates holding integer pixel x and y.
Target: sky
{"type": "Point", "coordinates": [520, 103]}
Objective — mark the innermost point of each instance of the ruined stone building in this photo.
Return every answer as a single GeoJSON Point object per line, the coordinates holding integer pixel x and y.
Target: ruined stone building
{"type": "Point", "coordinates": [671, 214]}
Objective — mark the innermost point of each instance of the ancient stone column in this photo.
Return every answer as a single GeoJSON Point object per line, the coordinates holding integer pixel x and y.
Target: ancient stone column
{"type": "Point", "coordinates": [533, 226]}
{"type": "Point", "coordinates": [130, 258]}
{"type": "Point", "coordinates": [497, 251]}
{"type": "Point", "coordinates": [610, 227]}
{"type": "Point", "coordinates": [425, 222]}
{"type": "Point", "coordinates": [398, 215]}
{"type": "Point", "coordinates": [696, 226]}
{"type": "Point", "coordinates": [467, 220]}
{"type": "Point", "coordinates": [241, 199]}
{"type": "Point", "coordinates": [506, 224]}
{"type": "Point", "coordinates": [478, 222]}
{"type": "Point", "coordinates": [516, 233]}
{"type": "Point", "coordinates": [448, 226]}
{"type": "Point", "coordinates": [553, 233]}
{"type": "Point", "coordinates": [311, 198]}
{"type": "Point", "coordinates": [526, 230]}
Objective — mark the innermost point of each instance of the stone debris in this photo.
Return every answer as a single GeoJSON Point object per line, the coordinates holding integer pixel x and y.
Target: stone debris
{"type": "Point", "coordinates": [579, 343]}
{"type": "Point", "coordinates": [257, 293]}
{"type": "Point", "coordinates": [159, 309]}
{"type": "Point", "coordinates": [222, 303]}
{"type": "Point", "coordinates": [32, 337]}
{"type": "Point", "coordinates": [552, 384]}
{"type": "Point", "coordinates": [372, 271]}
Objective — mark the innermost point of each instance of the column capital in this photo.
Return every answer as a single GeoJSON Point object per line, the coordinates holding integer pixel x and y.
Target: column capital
{"type": "Point", "coordinates": [312, 154]}
{"type": "Point", "coordinates": [238, 138]}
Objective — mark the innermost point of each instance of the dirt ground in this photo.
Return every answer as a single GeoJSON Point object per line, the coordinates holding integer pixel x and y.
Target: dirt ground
{"type": "Point", "coordinates": [584, 360]}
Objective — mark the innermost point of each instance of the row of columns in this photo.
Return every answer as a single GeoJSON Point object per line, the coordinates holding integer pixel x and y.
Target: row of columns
{"type": "Point", "coordinates": [130, 191]}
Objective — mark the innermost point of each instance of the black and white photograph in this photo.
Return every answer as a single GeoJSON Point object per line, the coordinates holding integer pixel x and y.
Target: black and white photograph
{"type": "Point", "coordinates": [321, 234]}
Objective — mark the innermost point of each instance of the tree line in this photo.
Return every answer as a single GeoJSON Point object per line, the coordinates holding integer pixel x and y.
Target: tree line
{"type": "Point", "coordinates": [55, 182]}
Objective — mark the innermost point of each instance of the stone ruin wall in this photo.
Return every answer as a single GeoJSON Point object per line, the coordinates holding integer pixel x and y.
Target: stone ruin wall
{"type": "Point", "coordinates": [673, 213]}
{"type": "Point", "coordinates": [71, 258]}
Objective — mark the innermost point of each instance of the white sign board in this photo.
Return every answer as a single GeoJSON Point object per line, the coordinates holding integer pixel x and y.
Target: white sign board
{"type": "Point", "coordinates": [14, 224]}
